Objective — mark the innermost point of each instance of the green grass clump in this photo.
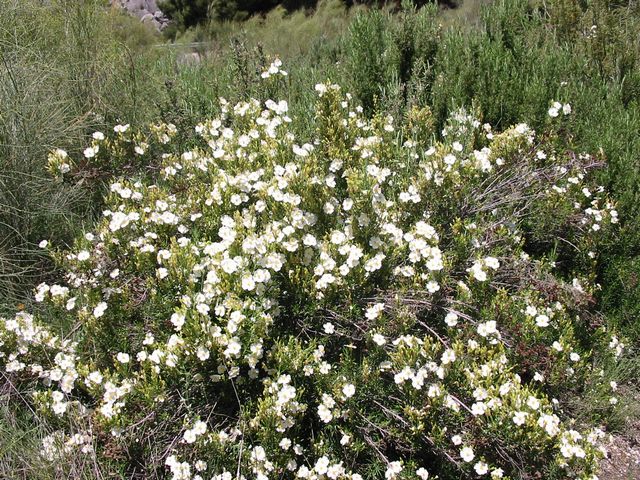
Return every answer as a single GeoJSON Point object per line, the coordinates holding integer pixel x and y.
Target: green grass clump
{"type": "Point", "coordinates": [66, 68]}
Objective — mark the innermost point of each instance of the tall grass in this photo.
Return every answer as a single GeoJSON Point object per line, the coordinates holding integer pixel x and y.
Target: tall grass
{"type": "Point", "coordinates": [66, 69]}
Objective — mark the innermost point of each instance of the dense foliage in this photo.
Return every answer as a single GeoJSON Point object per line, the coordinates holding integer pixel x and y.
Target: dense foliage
{"type": "Point", "coordinates": [430, 252]}
{"type": "Point", "coordinates": [358, 304]}
{"type": "Point", "coordinates": [189, 13]}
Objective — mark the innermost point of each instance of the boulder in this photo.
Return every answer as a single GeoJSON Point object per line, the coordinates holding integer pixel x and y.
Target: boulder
{"type": "Point", "coordinates": [146, 10]}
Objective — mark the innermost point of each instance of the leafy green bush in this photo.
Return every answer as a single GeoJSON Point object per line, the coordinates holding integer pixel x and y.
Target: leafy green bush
{"type": "Point", "coordinates": [389, 57]}
{"type": "Point", "coordinates": [522, 56]}
{"type": "Point", "coordinates": [357, 304]}
{"type": "Point", "coordinates": [57, 88]}
{"type": "Point", "coordinates": [371, 57]}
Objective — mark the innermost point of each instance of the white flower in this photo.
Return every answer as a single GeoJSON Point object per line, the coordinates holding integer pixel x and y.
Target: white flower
{"type": "Point", "coordinates": [481, 468]}
{"type": "Point", "coordinates": [229, 265]}
{"type": "Point", "coordinates": [448, 356]}
{"type": "Point", "coordinates": [449, 159]}
{"type": "Point", "coordinates": [322, 465]}
{"type": "Point", "coordinates": [83, 255]}
{"type": "Point", "coordinates": [202, 353]}
{"type": "Point", "coordinates": [328, 208]}
{"type": "Point", "coordinates": [189, 436]}
{"type": "Point", "coordinates": [499, 473]}
{"type": "Point", "coordinates": [43, 244]}
{"type": "Point", "coordinates": [338, 237]}
{"type": "Point", "coordinates": [533, 403]}
{"type": "Point", "coordinates": [478, 272]}
{"type": "Point", "coordinates": [519, 417]}
{"type": "Point", "coordinates": [324, 413]}
{"type": "Point", "coordinates": [542, 321]}
{"type": "Point", "coordinates": [274, 262]}
{"type": "Point", "coordinates": [248, 282]}
{"type": "Point", "coordinates": [492, 263]}
{"type": "Point", "coordinates": [285, 444]}
{"type": "Point", "coordinates": [309, 240]}
{"type": "Point", "coordinates": [95, 377]}
{"type": "Point", "coordinates": [451, 319]}
{"type": "Point", "coordinates": [467, 454]}
{"type": "Point", "coordinates": [99, 310]}
{"type": "Point", "coordinates": [349, 390]}
{"type": "Point", "coordinates": [321, 88]}
{"type": "Point", "coordinates": [379, 339]}
{"type": "Point", "coordinates": [233, 348]}
{"type": "Point", "coordinates": [123, 357]}
{"type": "Point", "coordinates": [59, 407]}
{"type": "Point", "coordinates": [324, 281]}
{"type": "Point", "coordinates": [177, 320]}
{"type": "Point", "coordinates": [478, 408]}
{"type": "Point", "coordinates": [200, 427]}
{"type": "Point", "coordinates": [393, 469]}
{"type": "Point", "coordinates": [374, 263]}
{"type": "Point", "coordinates": [120, 220]}
{"type": "Point", "coordinates": [422, 473]}
{"type": "Point", "coordinates": [374, 311]}
{"type": "Point", "coordinates": [487, 328]}
{"type": "Point", "coordinates": [329, 328]}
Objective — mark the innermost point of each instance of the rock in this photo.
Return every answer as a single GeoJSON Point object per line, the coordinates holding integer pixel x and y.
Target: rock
{"type": "Point", "coordinates": [191, 58]}
{"type": "Point", "coordinates": [146, 10]}
{"type": "Point", "coordinates": [623, 456]}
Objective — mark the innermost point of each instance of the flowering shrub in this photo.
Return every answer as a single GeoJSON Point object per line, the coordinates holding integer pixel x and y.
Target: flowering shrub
{"type": "Point", "coordinates": [363, 304]}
